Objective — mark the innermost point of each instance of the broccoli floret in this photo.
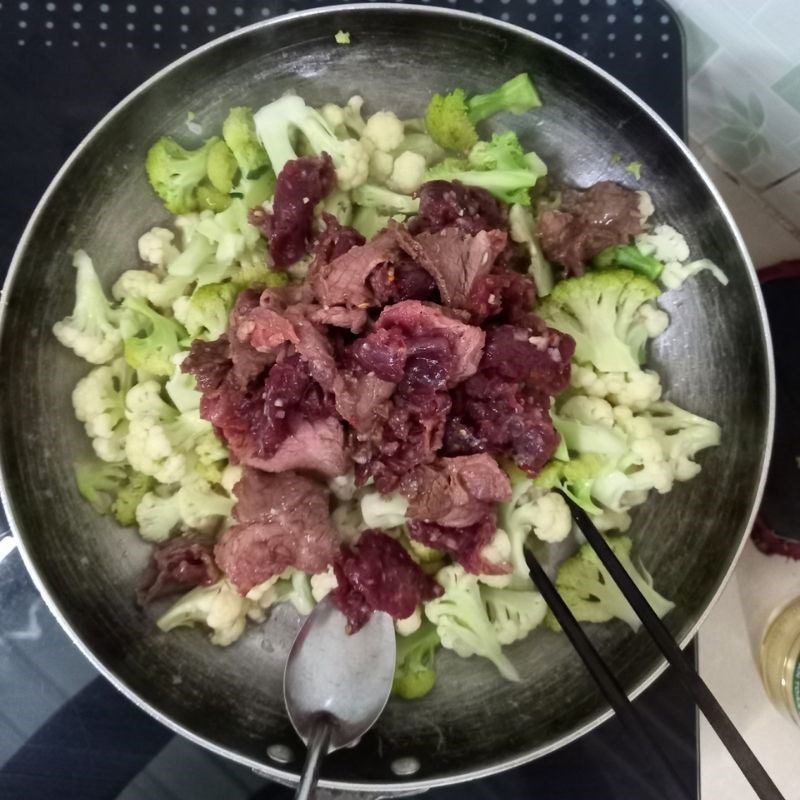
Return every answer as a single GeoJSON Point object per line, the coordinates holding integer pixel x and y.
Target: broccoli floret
{"type": "Point", "coordinates": [523, 231]}
{"type": "Point", "coordinates": [129, 496]}
{"type": "Point", "coordinates": [575, 478]}
{"type": "Point", "coordinates": [448, 123]}
{"type": "Point", "coordinates": [158, 341]}
{"type": "Point", "coordinates": [257, 179]}
{"type": "Point", "coordinates": [221, 167]}
{"type": "Point", "coordinates": [342, 37]}
{"type": "Point", "coordinates": [628, 256]}
{"type": "Point", "coordinates": [99, 482]}
{"type": "Point", "coordinates": [590, 592]}
{"type": "Point", "coordinates": [517, 95]}
{"type": "Point", "coordinates": [113, 488]}
{"type": "Point", "coordinates": [462, 621]}
{"type": "Point", "coordinates": [415, 664]}
{"type": "Point", "coordinates": [205, 315]}
{"type": "Point", "coordinates": [233, 236]}
{"type": "Point", "coordinates": [92, 330]}
{"type": "Point", "coordinates": [451, 118]}
{"type": "Point", "coordinates": [384, 200]}
{"type": "Point", "coordinates": [276, 122]}
{"type": "Point", "coordinates": [635, 169]}
{"type": "Point", "coordinates": [609, 314]}
{"type": "Point", "coordinates": [175, 173]}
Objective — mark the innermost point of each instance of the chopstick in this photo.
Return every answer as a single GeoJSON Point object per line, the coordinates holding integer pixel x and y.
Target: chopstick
{"type": "Point", "coordinates": [662, 773]}
{"type": "Point", "coordinates": [741, 753]}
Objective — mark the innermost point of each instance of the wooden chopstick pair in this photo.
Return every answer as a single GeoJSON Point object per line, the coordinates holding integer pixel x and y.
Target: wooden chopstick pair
{"type": "Point", "coordinates": [610, 687]}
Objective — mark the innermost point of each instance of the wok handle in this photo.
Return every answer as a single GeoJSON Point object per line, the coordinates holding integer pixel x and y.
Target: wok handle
{"type": "Point", "coordinates": [317, 749]}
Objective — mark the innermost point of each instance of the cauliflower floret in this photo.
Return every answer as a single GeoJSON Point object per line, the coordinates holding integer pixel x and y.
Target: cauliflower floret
{"type": "Point", "coordinates": [220, 607]}
{"type": "Point", "coordinates": [409, 625]}
{"type": "Point", "coordinates": [550, 517]}
{"type": "Point", "coordinates": [158, 515]}
{"type": "Point", "coordinates": [665, 243]}
{"type": "Point", "coordinates": [354, 167]}
{"type": "Point", "coordinates": [513, 614]}
{"type": "Point", "coordinates": [156, 247]}
{"type": "Point", "coordinates": [99, 402]}
{"type": "Point", "coordinates": [408, 172]}
{"type": "Point", "coordinates": [637, 390]}
{"type": "Point", "coordinates": [498, 552]}
{"type": "Point", "coordinates": [231, 475]}
{"type": "Point", "coordinates": [609, 520]}
{"type": "Point", "coordinates": [322, 584]}
{"type": "Point", "coordinates": [380, 166]}
{"type": "Point", "coordinates": [92, 330]}
{"type": "Point", "coordinates": [343, 486]}
{"type": "Point", "coordinates": [383, 512]}
{"type": "Point", "coordinates": [200, 507]}
{"type": "Point", "coordinates": [347, 520]}
{"type": "Point", "coordinates": [385, 130]}
{"type": "Point", "coordinates": [655, 320]}
{"type": "Point", "coordinates": [333, 115]}
{"type": "Point", "coordinates": [589, 410]}
{"type": "Point", "coordinates": [145, 284]}
{"type": "Point", "coordinates": [588, 381]}
{"type": "Point", "coordinates": [675, 274]}
{"type": "Point", "coordinates": [646, 207]}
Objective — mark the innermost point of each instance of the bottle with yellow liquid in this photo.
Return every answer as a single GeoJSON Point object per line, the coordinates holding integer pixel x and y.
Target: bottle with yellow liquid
{"type": "Point", "coordinates": [780, 660]}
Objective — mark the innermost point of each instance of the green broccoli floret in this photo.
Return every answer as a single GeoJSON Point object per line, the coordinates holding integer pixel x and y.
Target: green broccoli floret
{"type": "Point", "coordinates": [448, 123]}
{"type": "Point", "coordinates": [257, 179]}
{"type": "Point", "coordinates": [92, 330]}
{"type": "Point", "coordinates": [574, 478]}
{"type": "Point", "coordinates": [385, 200]}
{"type": "Point", "coordinates": [517, 95]}
{"type": "Point", "coordinates": [609, 314]}
{"type": "Point", "coordinates": [112, 488]}
{"type": "Point", "coordinates": [415, 666]}
{"type": "Point", "coordinates": [276, 124]}
{"type": "Point", "coordinates": [129, 497]}
{"type": "Point", "coordinates": [635, 169]}
{"type": "Point", "coordinates": [206, 314]}
{"type": "Point", "coordinates": [590, 592]}
{"type": "Point", "coordinates": [221, 167]}
{"type": "Point", "coordinates": [99, 482]}
{"type": "Point", "coordinates": [342, 37]}
{"type": "Point", "coordinates": [175, 173]}
{"type": "Point", "coordinates": [158, 340]}
{"type": "Point", "coordinates": [628, 256]}
{"type": "Point", "coordinates": [450, 119]}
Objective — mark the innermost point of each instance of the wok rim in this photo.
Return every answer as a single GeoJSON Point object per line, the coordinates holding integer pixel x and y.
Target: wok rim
{"type": "Point", "coordinates": [502, 764]}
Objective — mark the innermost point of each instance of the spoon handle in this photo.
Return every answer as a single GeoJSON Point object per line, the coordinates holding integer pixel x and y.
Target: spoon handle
{"type": "Point", "coordinates": [317, 749]}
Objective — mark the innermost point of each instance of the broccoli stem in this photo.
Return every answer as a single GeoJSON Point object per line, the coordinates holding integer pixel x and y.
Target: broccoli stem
{"type": "Point", "coordinates": [517, 95]}
{"type": "Point", "coordinates": [628, 256]}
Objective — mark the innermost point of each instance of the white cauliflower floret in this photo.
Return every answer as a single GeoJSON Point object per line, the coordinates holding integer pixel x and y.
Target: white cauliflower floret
{"type": "Point", "coordinates": [352, 115]}
{"type": "Point", "coordinates": [637, 390]}
{"type": "Point", "coordinates": [322, 584]}
{"type": "Point", "coordinates": [462, 621]}
{"type": "Point", "coordinates": [550, 518]}
{"type": "Point", "coordinates": [161, 442]}
{"type": "Point", "coordinates": [158, 515]}
{"type": "Point", "coordinates": [219, 607]}
{"type": "Point", "coordinates": [408, 173]}
{"type": "Point", "coordinates": [99, 402]}
{"type": "Point", "coordinates": [200, 507]}
{"type": "Point", "coordinates": [347, 520]}
{"type": "Point", "coordinates": [589, 410]}
{"type": "Point", "coordinates": [380, 166]}
{"type": "Point", "coordinates": [664, 243]}
{"type": "Point", "coordinates": [646, 207]}
{"type": "Point", "coordinates": [383, 512]}
{"type": "Point", "coordinates": [231, 475]}
{"type": "Point", "coordinates": [186, 224]}
{"type": "Point", "coordinates": [385, 130]}
{"type": "Point", "coordinates": [156, 247]}
{"type": "Point", "coordinates": [333, 115]}
{"type": "Point", "coordinates": [161, 292]}
{"type": "Point", "coordinates": [497, 552]}
{"type": "Point", "coordinates": [92, 330]}
{"type": "Point", "coordinates": [655, 320]}
{"type": "Point", "coordinates": [608, 520]}
{"type": "Point", "coordinates": [513, 614]}
{"type": "Point", "coordinates": [343, 487]}
{"type": "Point", "coordinates": [354, 167]}
{"type": "Point", "coordinates": [588, 381]}
{"type": "Point", "coordinates": [411, 623]}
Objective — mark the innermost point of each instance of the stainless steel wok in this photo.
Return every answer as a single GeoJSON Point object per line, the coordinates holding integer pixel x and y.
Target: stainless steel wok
{"type": "Point", "coordinates": [715, 358]}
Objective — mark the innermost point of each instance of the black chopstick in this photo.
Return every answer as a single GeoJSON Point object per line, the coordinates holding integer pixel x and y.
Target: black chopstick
{"type": "Point", "coordinates": [662, 773]}
{"type": "Point", "coordinates": [741, 753]}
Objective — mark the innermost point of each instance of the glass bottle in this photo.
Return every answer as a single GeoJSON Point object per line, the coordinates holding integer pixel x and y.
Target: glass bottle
{"type": "Point", "coordinates": [780, 660]}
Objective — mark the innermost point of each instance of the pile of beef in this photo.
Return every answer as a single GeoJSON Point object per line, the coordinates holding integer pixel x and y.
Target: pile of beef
{"type": "Point", "coordinates": [413, 360]}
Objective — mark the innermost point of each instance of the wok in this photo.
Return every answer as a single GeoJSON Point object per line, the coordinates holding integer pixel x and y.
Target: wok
{"type": "Point", "coordinates": [715, 360]}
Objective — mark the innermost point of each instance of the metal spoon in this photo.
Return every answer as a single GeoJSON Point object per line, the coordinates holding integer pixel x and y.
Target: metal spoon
{"type": "Point", "coordinates": [336, 684]}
